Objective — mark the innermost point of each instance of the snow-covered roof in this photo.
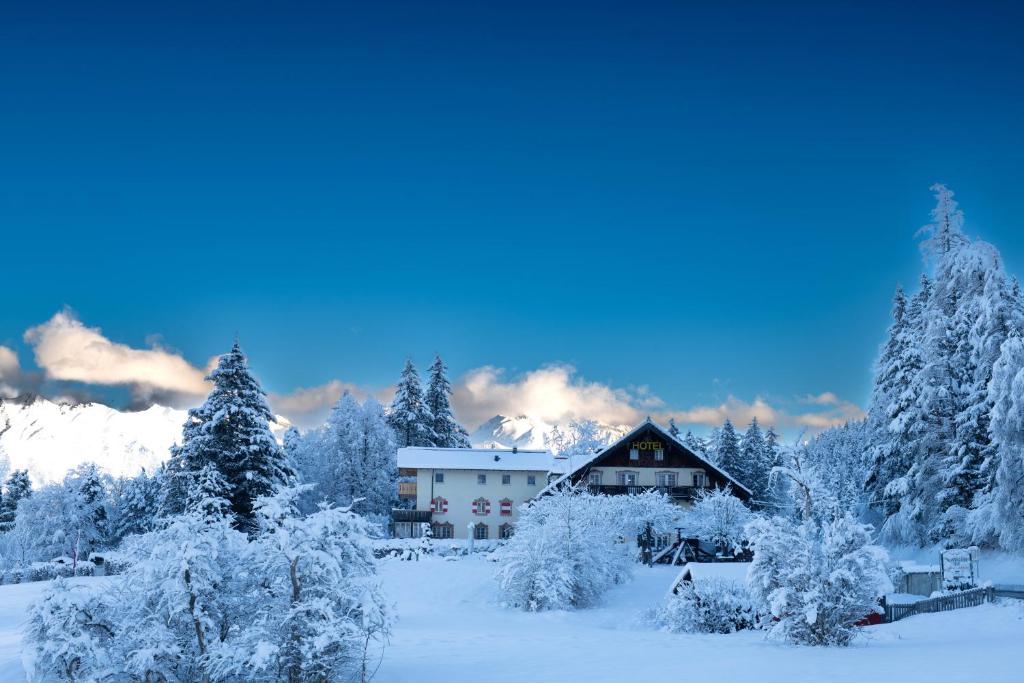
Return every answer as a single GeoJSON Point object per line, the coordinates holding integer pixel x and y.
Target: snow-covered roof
{"type": "Point", "coordinates": [701, 571]}
{"type": "Point", "coordinates": [505, 460]}
{"type": "Point", "coordinates": [580, 462]}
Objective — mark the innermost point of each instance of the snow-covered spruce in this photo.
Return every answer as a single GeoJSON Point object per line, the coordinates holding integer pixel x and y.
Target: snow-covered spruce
{"type": "Point", "coordinates": [409, 415]}
{"type": "Point", "coordinates": [447, 432]}
{"type": "Point", "coordinates": [934, 457]}
{"type": "Point", "coordinates": [353, 456]}
{"type": "Point", "coordinates": [713, 605]}
{"type": "Point", "coordinates": [231, 432]}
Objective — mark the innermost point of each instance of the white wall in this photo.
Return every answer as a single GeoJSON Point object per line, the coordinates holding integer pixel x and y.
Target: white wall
{"type": "Point", "coordinates": [646, 475]}
{"type": "Point", "coordinates": [460, 488]}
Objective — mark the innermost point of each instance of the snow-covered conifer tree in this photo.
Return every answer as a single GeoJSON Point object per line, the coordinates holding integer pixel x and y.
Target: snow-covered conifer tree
{"type": "Point", "coordinates": [753, 463]}
{"type": "Point", "coordinates": [409, 415]}
{"type": "Point", "coordinates": [727, 451]}
{"type": "Point", "coordinates": [672, 428]}
{"type": "Point", "coordinates": [137, 505]}
{"type": "Point", "coordinates": [447, 432]}
{"type": "Point", "coordinates": [1003, 504]}
{"type": "Point", "coordinates": [17, 487]}
{"type": "Point", "coordinates": [231, 432]}
{"type": "Point", "coordinates": [698, 446]}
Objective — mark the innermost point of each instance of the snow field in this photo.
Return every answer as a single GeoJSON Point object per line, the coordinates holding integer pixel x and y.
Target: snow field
{"type": "Point", "coordinates": [452, 628]}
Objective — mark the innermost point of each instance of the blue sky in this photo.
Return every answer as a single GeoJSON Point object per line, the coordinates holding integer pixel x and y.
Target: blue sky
{"type": "Point", "coordinates": [689, 203]}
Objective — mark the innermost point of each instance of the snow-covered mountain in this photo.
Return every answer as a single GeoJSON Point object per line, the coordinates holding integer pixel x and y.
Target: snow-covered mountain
{"type": "Point", "coordinates": [524, 432]}
{"type": "Point", "coordinates": [49, 438]}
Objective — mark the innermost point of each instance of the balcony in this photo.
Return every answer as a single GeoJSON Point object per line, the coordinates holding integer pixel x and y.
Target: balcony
{"type": "Point", "coordinates": [415, 516]}
{"type": "Point", "coordinates": [674, 492]}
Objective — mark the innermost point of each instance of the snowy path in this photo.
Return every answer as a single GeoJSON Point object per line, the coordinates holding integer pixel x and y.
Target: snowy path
{"type": "Point", "coordinates": [451, 629]}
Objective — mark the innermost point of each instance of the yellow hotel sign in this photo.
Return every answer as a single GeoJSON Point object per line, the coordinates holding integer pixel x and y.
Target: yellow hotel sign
{"type": "Point", "coordinates": [646, 445]}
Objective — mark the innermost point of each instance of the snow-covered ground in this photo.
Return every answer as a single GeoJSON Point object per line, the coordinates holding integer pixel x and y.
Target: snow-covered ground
{"type": "Point", "coordinates": [451, 627]}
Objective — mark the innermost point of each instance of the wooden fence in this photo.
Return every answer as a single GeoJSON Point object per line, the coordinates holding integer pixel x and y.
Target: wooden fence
{"type": "Point", "coordinates": [943, 603]}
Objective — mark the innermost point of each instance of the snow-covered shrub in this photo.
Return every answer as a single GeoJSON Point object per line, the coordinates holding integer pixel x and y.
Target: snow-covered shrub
{"type": "Point", "coordinates": [634, 513]}
{"type": "Point", "coordinates": [201, 601]}
{"type": "Point", "coordinates": [817, 578]}
{"type": "Point", "coordinates": [319, 610]}
{"type": "Point", "coordinates": [720, 518]}
{"type": "Point", "coordinates": [566, 552]}
{"type": "Point", "coordinates": [712, 605]}
{"type": "Point", "coordinates": [68, 519]}
{"type": "Point", "coordinates": [70, 635]}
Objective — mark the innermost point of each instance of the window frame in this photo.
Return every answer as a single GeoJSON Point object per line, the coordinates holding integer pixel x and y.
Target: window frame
{"type": "Point", "coordinates": [438, 477]}
{"type": "Point", "coordinates": [476, 532]}
{"type": "Point", "coordinates": [622, 475]}
{"type": "Point", "coordinates": [506, 480]}
{"type": "Point", "coordinates": [671, 476]}
{"type": "Point", "coordinates": [531, 479]}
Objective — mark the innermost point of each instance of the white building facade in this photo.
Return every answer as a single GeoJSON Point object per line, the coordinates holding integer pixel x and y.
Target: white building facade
{"type": "Point", "coordinates": [464, 492]}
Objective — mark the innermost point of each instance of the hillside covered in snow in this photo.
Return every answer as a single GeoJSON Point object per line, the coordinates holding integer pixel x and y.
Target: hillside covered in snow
{"type": "Point", "coordinates": [525, 432]}
{"type": "Point", "coordinates": [49, 438]}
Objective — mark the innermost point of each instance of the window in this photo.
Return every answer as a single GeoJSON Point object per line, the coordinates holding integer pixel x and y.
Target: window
{"type": "Point", "coordinates": [506, 479]}
{"type": "Point", "coordinates": [480, 532]}
{"type": "Point", "coordinates": [634, 453]}
{"type": "Point", "coordinates": [481, 506]}
{"type": "Point", "coordinates": [626, 478]}
{"type": "Point", "coordinates": [505, 507]}
{"type": "Point", "coordinates": [594, 478]}
{"type": "Point", "coordinates": [443, 531]}
{"type": "Point", "coordinates": [439, 505]}
{"type": "Point", "coordinates": [505, 531]}
{"type": "Point", "coordinates": [699, 480]}
{"type": "Point", "coordinates": [665, 479]}
{"type": "Point", "coordinates": [659, 453]}
{"type": "Point", "coordinates": [531, 480]}
{"type": "Point", "coordinates": [438, 477]}
{"type": "Point", "coordinates": [481, 478]}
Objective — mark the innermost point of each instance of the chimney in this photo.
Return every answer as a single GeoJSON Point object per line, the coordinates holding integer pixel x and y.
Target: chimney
{"type": "Point", "coordinates": [497, 457]}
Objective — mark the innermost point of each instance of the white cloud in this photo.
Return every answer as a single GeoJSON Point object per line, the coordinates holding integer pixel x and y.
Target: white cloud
{"type": "Point", "coordinates": [309, 406]}
{"type": "Point", "coordinates": [65, 349]}
{"type": "Point", "coordinates": [553, 394]}
{"type": "Point", "coordinates": [10, 373]}
{"type": "Point", "coordinates": [741, 413]}
{"type": "Point", "coordinates": [823, 399]}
